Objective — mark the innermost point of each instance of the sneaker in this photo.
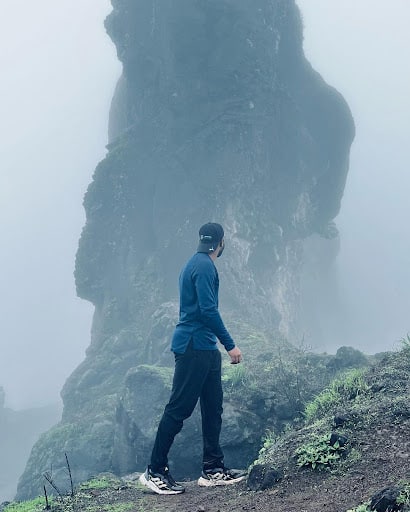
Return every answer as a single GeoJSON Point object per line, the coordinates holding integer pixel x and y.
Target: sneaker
{"type": "Point", "coordinates": [221, 476]}
{"type": "Point", "coordinates": [161, 482]}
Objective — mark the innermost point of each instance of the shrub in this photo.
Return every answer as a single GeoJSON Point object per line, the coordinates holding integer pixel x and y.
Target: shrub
{"type": "Point", "coordinates": [319, 453]}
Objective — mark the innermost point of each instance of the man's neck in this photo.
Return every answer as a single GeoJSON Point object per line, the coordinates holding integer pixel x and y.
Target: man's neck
{"type": "Point", "coordinates": [213, 255]}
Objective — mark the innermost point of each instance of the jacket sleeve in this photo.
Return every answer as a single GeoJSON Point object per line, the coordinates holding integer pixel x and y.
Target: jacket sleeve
{"type": "Point", "coordinates": [204, 279]}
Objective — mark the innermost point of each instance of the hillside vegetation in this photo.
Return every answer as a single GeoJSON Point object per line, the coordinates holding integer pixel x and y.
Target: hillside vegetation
{"type": "Point", "coordinates": [351, 452]}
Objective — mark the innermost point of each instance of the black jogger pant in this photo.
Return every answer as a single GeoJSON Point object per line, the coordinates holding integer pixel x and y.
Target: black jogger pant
{"type": "Point", "coordinates": [197, 376]}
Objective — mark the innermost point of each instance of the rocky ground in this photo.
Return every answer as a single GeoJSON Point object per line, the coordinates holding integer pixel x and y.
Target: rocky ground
{"type": "Point", "coordinates": [306, 491]}
{"type": "Point", "coordinates": [376, 412]}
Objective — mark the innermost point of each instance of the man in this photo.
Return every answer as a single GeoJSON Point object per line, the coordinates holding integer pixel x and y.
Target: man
{"type": "Point", "coordinates": [197, 369]}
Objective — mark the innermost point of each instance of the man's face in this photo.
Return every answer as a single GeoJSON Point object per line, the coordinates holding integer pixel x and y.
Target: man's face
{"type": "Point", "coordinates": [221, 250]}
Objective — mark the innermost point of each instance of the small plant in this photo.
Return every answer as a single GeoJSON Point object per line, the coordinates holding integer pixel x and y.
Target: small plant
{"type": "Point", "coordinates": [268, 440]}
{"type": "Point", "coordinates": [405, 342]}
{"type": "Point", "coordinates": [404, 496]}
{"type": "Point", "coordinates": [361, 508]}
{"type": "Point", "coordinates": [319, 453]}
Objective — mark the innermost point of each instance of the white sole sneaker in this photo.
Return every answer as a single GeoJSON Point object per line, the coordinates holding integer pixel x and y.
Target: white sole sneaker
{"type": "Point", "coordinates": [152, 485]}
{"type": "Point", "coordinates": [205, 482]}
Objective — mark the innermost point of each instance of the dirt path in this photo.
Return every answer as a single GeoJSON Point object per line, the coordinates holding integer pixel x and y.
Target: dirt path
{"type": "Point", "coordinates": [309, 492]}
{"type": "Point", "coordinates": [385, 461]}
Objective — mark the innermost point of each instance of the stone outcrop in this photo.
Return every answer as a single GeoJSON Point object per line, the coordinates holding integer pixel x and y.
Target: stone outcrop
{"type": "Point", "coordinates": [217, 116]}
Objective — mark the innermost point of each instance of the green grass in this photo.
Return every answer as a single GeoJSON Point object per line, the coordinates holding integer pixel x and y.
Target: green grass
{"type": "Point", "coordinates": [104, 482]}
{"type": "Point", "coordinates": [322, 403]}
{"type": "Point", "coordinates": [36, 505]}
{"type": "Point", "coordinates": [235, 374]}
{"type": "Point", "coordinates": [348, 386]}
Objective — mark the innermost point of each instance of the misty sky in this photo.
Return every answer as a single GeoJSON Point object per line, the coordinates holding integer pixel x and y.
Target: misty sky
{"type": "Point", "coordinates": [59, 70]}
{"type": "Point", "coordinates": [362, 48]}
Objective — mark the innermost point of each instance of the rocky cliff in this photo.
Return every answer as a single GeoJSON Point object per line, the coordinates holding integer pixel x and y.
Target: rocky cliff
{"type": "Point", "coordinates": [217, 116]}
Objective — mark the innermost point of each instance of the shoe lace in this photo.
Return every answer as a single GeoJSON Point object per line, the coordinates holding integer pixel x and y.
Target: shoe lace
{"type": "Point", "coordinates": [219, 474]}
{"type": "Point", "coordinates": [222, 473]}
{"type": "Point", "coordinates": [159, 482]}
{"type": "Point", "coordinates": [162, 479]}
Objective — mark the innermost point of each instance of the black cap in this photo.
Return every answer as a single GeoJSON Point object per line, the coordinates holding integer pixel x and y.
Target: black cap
{"type": "Point", "coordinates": [210, 235]}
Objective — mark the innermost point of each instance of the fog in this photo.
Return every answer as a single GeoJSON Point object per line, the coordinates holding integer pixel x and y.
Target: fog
{"type": "Point", "coordinates": [362, 49]}
{"type": "Point", "coordinates": [59, 70]}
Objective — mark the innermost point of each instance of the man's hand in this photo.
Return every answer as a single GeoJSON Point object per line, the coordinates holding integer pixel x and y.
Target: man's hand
{"type": "Point", "coordinates": [236, 355]}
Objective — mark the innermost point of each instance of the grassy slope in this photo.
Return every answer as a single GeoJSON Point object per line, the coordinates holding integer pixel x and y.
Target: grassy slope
{"type": "Point", "coordinates": [377, 408]}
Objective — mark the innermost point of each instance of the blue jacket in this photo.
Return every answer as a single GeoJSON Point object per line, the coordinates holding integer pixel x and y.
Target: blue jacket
{"type": "Point", "coordinates": [199, 317]}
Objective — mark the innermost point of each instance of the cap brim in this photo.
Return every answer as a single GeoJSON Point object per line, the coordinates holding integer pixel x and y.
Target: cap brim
{"type": "Point", "coordinates": [202, 247]}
